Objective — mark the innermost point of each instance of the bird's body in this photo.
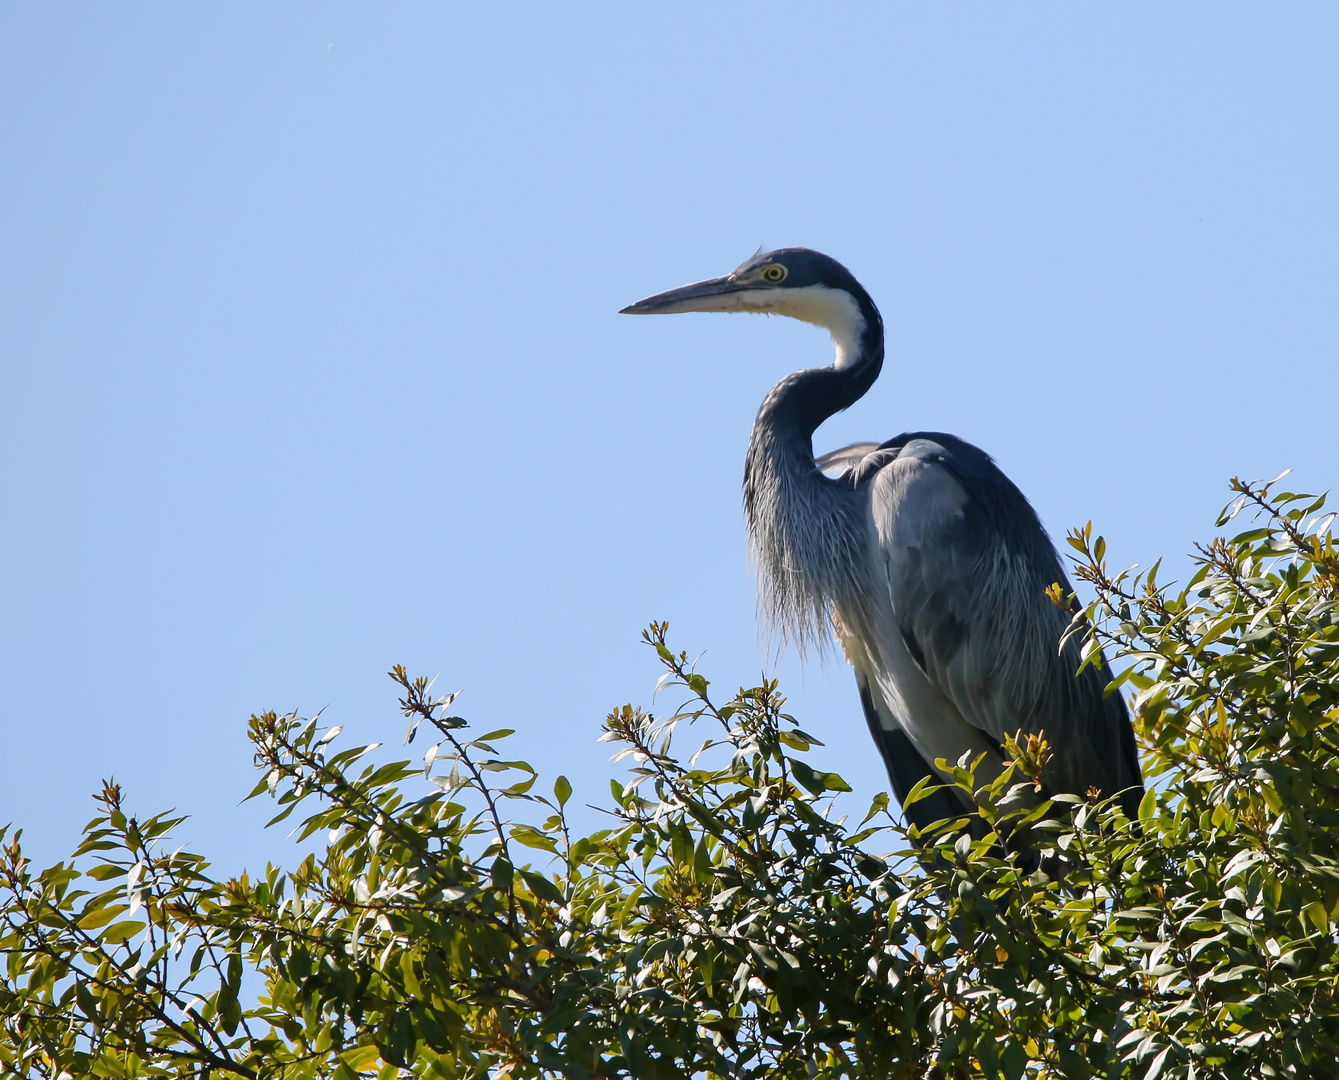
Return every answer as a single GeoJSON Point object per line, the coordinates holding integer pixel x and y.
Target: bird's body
{"type": "Point", "coordinates": [925, 560]}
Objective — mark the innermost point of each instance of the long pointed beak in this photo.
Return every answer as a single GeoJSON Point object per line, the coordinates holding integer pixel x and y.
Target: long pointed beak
{"type": "Point", "coordinates": [716, 294]}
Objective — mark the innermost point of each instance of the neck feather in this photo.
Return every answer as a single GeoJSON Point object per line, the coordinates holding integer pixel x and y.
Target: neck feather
{"type": "Point", "coordinates": [808, 532]}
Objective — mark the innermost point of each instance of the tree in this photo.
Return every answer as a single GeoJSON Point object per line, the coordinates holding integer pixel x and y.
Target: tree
{"type": "Point", "coordinates": [728, 922]}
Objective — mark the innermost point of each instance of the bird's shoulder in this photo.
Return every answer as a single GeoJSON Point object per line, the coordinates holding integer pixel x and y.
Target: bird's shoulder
{"type": "Point", "coordinates": [992, 505]}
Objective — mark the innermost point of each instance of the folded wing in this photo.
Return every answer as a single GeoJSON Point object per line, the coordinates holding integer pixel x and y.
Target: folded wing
{"type": "Point", "coordinates": [966, 565]}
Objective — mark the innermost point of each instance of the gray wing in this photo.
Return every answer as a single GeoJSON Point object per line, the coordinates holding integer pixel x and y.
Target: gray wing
{"type": "Point", "coordinates": [967, 565]}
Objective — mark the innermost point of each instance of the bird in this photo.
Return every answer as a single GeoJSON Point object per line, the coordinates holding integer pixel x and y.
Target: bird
{"type": "Point", "coordinates": [928, 565]}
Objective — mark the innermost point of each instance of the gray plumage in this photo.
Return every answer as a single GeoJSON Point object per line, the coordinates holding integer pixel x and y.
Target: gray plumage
{"type": "Point", "coordinates": [922, 557]}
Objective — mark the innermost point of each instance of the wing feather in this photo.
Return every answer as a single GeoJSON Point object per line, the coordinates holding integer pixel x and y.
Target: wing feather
{"type": "Point", "coordinates": [837, 463]}
{"type": "Point", "coordinates": [967, 565]}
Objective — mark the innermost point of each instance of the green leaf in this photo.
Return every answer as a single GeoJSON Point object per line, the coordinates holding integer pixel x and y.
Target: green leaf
{"type": "Point", "coordinates": [361, 1057]}
{"type": "Point", "coordinates": [1014, 1060]}
{"type": "Point", "coordinates": [84, 998]}
{"type": "Point", "coordinates": [1155, 1069]}
{"type": "Point", "coordinates": [229, 1009]}
{"type": "Point", "coordinates": [988, 1055]}
{"type": "Point", "coordinates": [923, 787]}
{"type": "Point", "coordinates": [562, 790]}
{"type": "Point", "coordinates": [814, 781]}
{"type": "Point", "coordinates": [531, 837]}
{"type": "Point", "coordinates": [542, 886]}
{"type": "Point", "coordinates": [1073, 1065]}
{"type": "Point", "coordinates": [520, 787]}
{"type": "Point", "coordinates": [877, 805]}
{"type": "Point", "coordinates": [102, 916]}
{"type": "Point", "coordinates": [122, 931]}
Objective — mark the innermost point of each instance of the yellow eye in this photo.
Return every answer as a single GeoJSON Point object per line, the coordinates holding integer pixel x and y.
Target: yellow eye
{"type": "Point", "coordinates": [774, 273]}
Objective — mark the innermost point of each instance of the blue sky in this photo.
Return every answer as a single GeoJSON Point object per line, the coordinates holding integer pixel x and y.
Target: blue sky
{"type": "Point", "coordinates": [311, 361]}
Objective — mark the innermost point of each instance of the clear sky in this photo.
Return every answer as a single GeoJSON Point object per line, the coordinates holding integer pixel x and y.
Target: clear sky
{"type": "Point", "coordinates": [311, 361]}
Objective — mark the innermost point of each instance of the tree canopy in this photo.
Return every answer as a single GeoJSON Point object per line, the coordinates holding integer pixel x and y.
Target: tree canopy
{"type": "Point", "coordinates": [729, 920]}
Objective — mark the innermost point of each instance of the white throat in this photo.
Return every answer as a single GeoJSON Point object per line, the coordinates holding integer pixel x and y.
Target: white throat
{"type": "Point", "coordinates": [833, 309]}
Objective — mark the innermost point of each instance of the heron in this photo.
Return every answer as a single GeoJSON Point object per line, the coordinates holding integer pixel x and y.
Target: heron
{"type": "Point", "coordinates": [926, 562]}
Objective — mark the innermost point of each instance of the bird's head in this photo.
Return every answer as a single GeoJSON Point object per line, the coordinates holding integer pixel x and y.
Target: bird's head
{"type": "Point", "coordinates": [796, 282]}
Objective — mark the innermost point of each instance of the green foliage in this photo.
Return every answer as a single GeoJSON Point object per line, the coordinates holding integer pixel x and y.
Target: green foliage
{"type": "Point", "coordinates": [727, 922]}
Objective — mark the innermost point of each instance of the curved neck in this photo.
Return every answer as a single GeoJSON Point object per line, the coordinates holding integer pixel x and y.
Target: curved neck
{"type": "Point", "coordinates": [804, 527]}
{"type": "Point", "coordinates": [799, 403]}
